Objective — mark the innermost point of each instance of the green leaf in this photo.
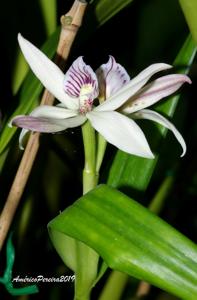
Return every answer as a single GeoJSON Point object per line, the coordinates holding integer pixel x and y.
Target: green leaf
{"type": "Point", "coordinates": [130, 239]}
{"type": "Point", "coordinates": [20, 69]}
{"type": "Point", "coordinates": [106, 9]}
{"type": "Point", "coordinates": [136, 172]}
{"type": "Point", "coordinates": [29, 94]}
{"type": "Point", "coordinates": [189, 8]}
{"type": "Point", "coordinates": [49, 11]}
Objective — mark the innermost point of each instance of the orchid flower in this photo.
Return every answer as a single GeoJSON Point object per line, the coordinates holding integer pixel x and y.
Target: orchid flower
{"type": "Point", "coordinates": [118, 96]}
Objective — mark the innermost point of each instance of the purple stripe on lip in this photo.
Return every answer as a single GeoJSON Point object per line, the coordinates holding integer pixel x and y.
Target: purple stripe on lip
{"type": "Point", "coordinates": [75, 83]}
{"type": "Point", "coordinates": [77, 76]}
{"type": "Point", "coordinates": [81, 74]}
{"type": "Point", "coordinates": [71, 91]}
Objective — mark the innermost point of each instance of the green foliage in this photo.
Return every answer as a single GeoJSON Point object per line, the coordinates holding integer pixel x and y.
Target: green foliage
{"type": "Point", "coordinates": [49, 14]}
{"type": "Point", "coordinates": [49, 10]}
{"type": "Point", "coordinates": [131, 239]}
{"type": "Point", "coordinates": [189, 8]}
{"type": "Point", "coordinates": [106, 9]}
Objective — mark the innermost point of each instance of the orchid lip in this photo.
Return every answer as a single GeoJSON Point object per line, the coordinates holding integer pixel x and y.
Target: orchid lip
{"type": "Point", "coordinates": [80, 79]}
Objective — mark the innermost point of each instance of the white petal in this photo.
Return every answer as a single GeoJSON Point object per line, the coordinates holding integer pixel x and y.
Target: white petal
{"type": "Point", "coordinates": [47, 72]}
{"type": "Point", "coordinates": [155, 91]}
{"type": "Point", "coordinates": [46, 111]}
{"type": "Point", "coordinates": [53, 112]}
{"type": "Point", "coordinates": [41, 124]}
{"type": "Point", "coordinates": [45, 125]}
{"type": "Point", "coordinates": [121, 132]}
{"type": "Point", "coordinates": [154, 116]}
{"type": "Point", "coordinates": [61, 105]}
{"type": "Point", "coordinates": [131, 88]}
{"type": "Point", "coordinates": [112, 77]}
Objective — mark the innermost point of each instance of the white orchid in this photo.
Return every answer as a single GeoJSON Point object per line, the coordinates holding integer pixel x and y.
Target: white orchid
{"type": "Point", "coordinates": [119, 96]}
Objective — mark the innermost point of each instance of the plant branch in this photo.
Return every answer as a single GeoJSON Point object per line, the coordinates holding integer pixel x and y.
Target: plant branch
{"type": "Point", "coordinates": [70, 25]}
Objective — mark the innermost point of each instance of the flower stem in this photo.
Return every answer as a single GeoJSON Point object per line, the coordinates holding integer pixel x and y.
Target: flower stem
{"type": "Point", "coordinates": [90, 178]}
{"type": "Point", "coordinates": [86, 272]}
{"type": "Point", "coordinates": [87, 258]}
{"type": "Point", "coordinates": [102, 144]}
{"type": "Point", "coordinates": [115, 286]}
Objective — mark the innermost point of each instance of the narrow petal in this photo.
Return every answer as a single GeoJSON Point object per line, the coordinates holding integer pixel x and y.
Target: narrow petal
{"type": "Point", "coordinates": [154, 116]}
{"type": "Point", "coordinates": [121, 132]}
{"type": "Point", "coordinates": [47, 72]}
{"type": "Point", "coordinates": [53, 112]}
{"type": "Point", "coordinates": [131, 88]}
{"type": "Point", "coordinates": [46, 111]}
{"type": "Point", "coordinates": [155, 91]}
{"type": "Point", "coordinates": [111, 77]}
{"type": "Point", "coordinates": [79, 75]}
{"type": "Point", "coordinates": [49, 125]}
{"type": "Point", "coordinates": [44, 125]}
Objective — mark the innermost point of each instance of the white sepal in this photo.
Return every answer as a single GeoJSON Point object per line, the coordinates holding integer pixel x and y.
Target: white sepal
{"type": "Point", "coordinates": [121, 132]}
{"type": "Point", "coordinates": [131, 88]}
{"type": "Point", "coordinates": [45, 125]}
{"type": "Point", "coordinates": [47, 72]}
{"type": "Point", "coordinates": [155, 91]}
{"type": "Point", "coordinates": [53, 112]}
{"type": "Point", "coordinates": [156, 117]}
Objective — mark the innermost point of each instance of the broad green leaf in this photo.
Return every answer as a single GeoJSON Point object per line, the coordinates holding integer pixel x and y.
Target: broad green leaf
{"type": "Point", "coordinates": [136, 172]}
{"type": "Point", "coordinates": [189, 8]}
{"type": "Point", "coordinates": [130, 239]}
{"type": "Point", "coordinates": [29, 94]}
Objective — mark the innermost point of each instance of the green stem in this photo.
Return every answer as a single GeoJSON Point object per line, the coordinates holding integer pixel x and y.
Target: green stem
{"type": "Point", "coordinates": [100, 152]}
{"type": "Point", "coordinates": [86, 273]}
{"type": "Point", "coordinates": [158, 200]}
{"type": "Point", "coordinates": [89, 173]}
{"type": "Point", "coordinates": [87, 258]}
{"type": "Point", "coordinates": [115, 286]}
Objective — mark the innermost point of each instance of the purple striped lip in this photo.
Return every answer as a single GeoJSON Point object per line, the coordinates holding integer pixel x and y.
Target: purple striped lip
{"type": "Point", "coordinates": [78, 76]}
